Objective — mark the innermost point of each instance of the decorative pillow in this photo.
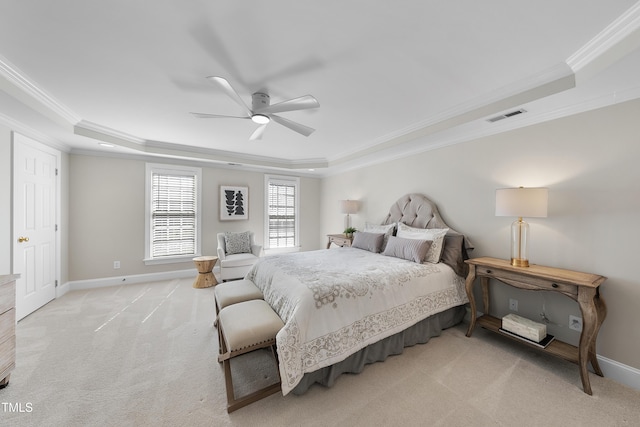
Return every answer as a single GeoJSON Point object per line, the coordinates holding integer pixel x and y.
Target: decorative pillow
{"type": "Point", "coordinates": [434, 234]}
{"type": "Point", "coordinates": [371, 242]}
{"type": "Point", "coordinates": [453, 254]}
{"type": "Point", "coordinates": [237, 243]}
{"type": "Point", "coordinates": [386, 229]}
{"type": "Point", "coordinates": [409, 249]}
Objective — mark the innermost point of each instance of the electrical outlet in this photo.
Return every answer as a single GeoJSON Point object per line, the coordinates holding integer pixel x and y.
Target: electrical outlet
{"type": "Point", "coordinates": [575, 323]}
{"type": "Point", "coordinates": [116, 265]}
{"type": "Point", "coordinates": [513, 304]}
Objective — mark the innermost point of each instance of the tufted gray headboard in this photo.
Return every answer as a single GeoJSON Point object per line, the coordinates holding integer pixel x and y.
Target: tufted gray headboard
{"type": "Point", "coordinates": [417, 211]}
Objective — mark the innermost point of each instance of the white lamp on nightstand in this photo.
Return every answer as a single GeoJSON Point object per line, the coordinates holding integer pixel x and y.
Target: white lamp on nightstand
{"type": "Point", "coordinates": [348, 207]}
{"type": "Point", "coordinates": [521, 202]}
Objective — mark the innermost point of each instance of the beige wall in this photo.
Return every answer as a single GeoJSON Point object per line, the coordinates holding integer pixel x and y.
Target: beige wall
{"type": "Point", "coordinates": [107, 215]}
{"type": "Point", "coordinates": [589, 162]}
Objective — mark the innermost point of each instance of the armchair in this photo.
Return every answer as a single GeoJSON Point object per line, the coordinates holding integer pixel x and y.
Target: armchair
{"type": "Point", "coordinates": [237, 265]}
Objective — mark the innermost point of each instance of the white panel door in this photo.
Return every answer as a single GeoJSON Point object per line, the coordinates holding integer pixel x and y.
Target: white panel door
{"type": "Point", "coordinates": [34, 223]}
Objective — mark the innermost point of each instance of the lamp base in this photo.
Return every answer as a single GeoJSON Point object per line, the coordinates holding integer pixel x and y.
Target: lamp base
{"type": "Point", "coordinates": [520, 243]}
{"type": "Point", "coordinates": [519, 262]}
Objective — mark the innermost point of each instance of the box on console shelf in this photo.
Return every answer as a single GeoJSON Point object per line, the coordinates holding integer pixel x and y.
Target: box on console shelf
{"type": "Point", "coordinates": [524, 327]}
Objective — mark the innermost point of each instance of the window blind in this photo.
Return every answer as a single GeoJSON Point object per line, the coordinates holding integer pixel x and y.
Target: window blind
{"type": "Point", "coordinates": [282, 214]}
{"type": "Point", "coordinates": [173, 215]}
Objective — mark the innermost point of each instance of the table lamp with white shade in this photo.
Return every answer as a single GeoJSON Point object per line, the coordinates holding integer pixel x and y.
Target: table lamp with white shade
{"type": "Point", "coordinates": [521, 202]}
{"type": "Point", "coordinates": [348, 207]}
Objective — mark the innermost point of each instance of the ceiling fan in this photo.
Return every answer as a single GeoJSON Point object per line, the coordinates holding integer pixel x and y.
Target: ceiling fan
{"type": "Point", "coordinates": [262, 112]}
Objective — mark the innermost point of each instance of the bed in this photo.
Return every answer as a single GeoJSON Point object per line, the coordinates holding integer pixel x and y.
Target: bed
{"type": "Point", "coordinates": [344, 308]}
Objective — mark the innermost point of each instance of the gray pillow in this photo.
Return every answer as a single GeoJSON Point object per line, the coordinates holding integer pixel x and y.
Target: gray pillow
{"type": "Point", "coordinates": [237, 243]}
{"type": "Point", "coordinates": [388, 230]}
{"type": "Point", "coordinates": [371, 242]}
{"type": "Point", "coordinates": [410, 249]}
{"type": "Point", "coordinates": [453, 254]}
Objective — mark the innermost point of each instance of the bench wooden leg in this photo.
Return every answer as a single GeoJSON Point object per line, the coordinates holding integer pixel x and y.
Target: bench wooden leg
{"type": "Point", "coordinates": [234, 403]}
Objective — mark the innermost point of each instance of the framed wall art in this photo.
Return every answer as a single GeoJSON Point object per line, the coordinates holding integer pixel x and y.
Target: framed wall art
{"type": "Point", "coordinates": [234, 203]}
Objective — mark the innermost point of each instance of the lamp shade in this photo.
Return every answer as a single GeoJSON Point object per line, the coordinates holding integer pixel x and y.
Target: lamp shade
{"type": "Point", "coordinates": [348, 206]}
{"type": "Point", "coordinates": [522, 202]}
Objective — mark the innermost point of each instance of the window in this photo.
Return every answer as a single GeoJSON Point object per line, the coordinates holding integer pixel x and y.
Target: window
{"type": "Point", "coordinates": [172, 213]}
{"type": "Point", "coordinates": [282, 221]}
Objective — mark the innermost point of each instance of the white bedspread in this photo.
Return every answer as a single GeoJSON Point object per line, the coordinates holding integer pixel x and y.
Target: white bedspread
{"type": "Point", "coordinates": [335, 302]}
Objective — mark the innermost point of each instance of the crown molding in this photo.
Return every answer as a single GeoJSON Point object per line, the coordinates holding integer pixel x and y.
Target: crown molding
{"type": "Point", "coordinates": [191, 161]}
{"type": "Point", "coordinates": [615, 41]}
{"type": "Point", "coordinates": [113, 135]}
{"type": "Point", "coordinates": [18, 79]}
{"type": "Point", "coordinates": [22, 129]}
{"type": "Point", "coordinates": [160, 148]}
{"type": "Point", "coordinates": [227, 156]}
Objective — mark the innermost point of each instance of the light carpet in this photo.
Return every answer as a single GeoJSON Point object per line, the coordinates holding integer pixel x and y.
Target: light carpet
{"type": "Point", "coordinates": [145, 355]}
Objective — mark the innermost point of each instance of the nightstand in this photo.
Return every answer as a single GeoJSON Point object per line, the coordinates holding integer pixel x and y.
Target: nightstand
{"type": "Point", "coordinates": [339, 239]}
{"type": "Point", "coordinates": [581, 287]}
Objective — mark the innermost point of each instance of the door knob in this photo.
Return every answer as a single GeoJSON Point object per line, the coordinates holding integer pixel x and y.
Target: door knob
{"type": "Point", "coordinates": [23, 239]}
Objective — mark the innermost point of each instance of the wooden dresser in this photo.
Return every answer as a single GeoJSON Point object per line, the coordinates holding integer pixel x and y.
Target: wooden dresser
{"type": "Point", "coordinates": [7, 327]}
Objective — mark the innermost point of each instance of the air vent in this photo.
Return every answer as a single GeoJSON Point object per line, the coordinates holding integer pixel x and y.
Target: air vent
{"type": "Point", "coordinates": [506, 115]}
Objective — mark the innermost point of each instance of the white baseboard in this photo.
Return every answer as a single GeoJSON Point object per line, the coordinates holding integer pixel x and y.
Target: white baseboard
{"type": "Point", "coordinates": [619, 372]}
{"type": "Point", "coordinates": [63, 289]}
{"type": "Point", "coordinates": [123, 280]}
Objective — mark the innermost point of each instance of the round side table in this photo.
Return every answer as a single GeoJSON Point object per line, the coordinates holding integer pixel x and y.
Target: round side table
{"type": "Point", "coordinates": [205, 278]}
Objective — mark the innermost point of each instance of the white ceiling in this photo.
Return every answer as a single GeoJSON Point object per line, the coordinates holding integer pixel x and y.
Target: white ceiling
{"type": "Point", "coordinates": [391, 79]}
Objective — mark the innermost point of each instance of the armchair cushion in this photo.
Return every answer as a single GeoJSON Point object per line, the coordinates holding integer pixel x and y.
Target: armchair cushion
{"type": "Point", "coordinates": [239, 260]}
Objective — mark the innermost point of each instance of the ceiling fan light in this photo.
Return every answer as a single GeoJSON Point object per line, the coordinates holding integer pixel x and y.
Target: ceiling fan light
{"type": "Point", "coordinates": [260, 119]}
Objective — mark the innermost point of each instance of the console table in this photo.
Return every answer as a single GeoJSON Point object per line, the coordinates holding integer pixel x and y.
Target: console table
{"type": "Point", "coordinates": [581, 287]}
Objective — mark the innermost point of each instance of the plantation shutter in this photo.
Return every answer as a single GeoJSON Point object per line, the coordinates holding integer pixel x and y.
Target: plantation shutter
{"type": "Point", "coordinates": [173, 215]}
{"type": "Point", "coordinates": [282, 214]}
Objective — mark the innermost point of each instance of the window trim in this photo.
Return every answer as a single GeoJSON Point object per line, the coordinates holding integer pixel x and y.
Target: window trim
{"type": "Point", "coordinates": [292, 180]}
{"type": "Point", "coordinates": [151, 168]}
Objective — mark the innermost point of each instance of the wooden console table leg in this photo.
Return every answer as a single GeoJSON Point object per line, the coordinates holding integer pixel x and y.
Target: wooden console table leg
{"type": "Point", "coordinates": [484, 281]}
{"type": "Point", "coordinates": [590, 326]}
{"type": "Point", "coordinates": [471, 277]}
{"type": "Point", "coordinates": [601, 313]}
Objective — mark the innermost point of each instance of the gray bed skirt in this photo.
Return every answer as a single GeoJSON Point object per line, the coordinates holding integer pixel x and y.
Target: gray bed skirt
{"type": "Point", "coordinates": [419, 333]}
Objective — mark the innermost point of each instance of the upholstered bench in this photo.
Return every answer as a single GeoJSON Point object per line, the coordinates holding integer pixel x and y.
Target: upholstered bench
{"type": "Point", "coordinates": [235, 291]}
{"type": "Point", "coordinates": [244, 327]}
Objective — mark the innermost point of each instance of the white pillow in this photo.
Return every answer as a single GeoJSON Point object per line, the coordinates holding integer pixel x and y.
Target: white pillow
{"type": "Point", "coordinates": [434, 234]}
{"type": "Point", "coordinates": [386, 229]}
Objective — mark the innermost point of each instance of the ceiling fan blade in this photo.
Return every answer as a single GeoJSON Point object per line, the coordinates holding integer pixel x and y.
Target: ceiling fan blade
{"type": "Point", "coordinates": [297, 127]}
{"type": "Point", "coordinates": [257, 134]}
{"type": "Point", "coordinates": [216, 116]}
{"type": "Point", "coordinates": [301, 103]}
{"type": "Point", "coordinates": [228, 89]}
